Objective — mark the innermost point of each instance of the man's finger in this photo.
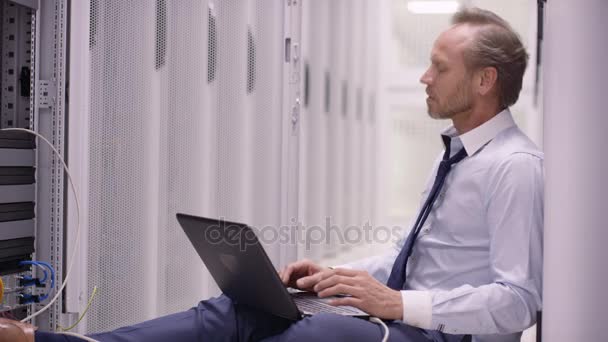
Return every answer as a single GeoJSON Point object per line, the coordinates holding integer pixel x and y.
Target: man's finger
{"type": "Point", "coordinates": [290, 270]}
{"type": "Point", "coordinates": [350, 301]}
{"type": "Point", "coordinates": [317, 277]}
{"type": "Point", "coordinates": [340, 289]}
{"type": "Point", "coordinates": [346, 272]}
{"type": "Point", "coordinates": [310, 281]}
{"type": "Point", "coordinates": [333, 280]}
{"type": "Point", "coordinates": [282, 276]}
{"type": "Point", "coordinates": [285, 275]}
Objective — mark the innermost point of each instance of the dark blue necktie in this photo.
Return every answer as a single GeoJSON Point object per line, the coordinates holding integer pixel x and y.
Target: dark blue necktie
{"type": "Point", "coordinates": [396, 280]}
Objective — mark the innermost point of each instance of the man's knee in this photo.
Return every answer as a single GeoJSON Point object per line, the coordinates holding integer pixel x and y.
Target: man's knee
{"type": "Point", "coordinates": [220, 304]}
{"type": "Point", "coordinates": [330, 327]}
{"type": "Point", "coordinates": [226, 320]}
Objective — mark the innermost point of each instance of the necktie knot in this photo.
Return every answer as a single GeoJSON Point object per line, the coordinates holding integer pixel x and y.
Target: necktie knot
{"type": "Point", "coordinates": [446, 164]}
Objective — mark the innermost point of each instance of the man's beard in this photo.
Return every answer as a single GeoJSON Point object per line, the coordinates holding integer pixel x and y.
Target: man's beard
{"type": "Point", "coordinates": [457, 103]}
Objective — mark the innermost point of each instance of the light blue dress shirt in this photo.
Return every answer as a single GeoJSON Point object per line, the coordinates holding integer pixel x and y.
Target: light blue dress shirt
{"type": "Point", "coordinates": [476, 267]}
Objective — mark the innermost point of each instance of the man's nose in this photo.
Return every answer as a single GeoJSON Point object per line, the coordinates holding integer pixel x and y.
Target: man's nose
{"type": "Point", "coordinates": [425, 78]}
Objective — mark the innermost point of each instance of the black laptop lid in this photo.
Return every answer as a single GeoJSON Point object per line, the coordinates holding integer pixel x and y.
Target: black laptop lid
{"type": "Point", "coordinates": [238, 263]}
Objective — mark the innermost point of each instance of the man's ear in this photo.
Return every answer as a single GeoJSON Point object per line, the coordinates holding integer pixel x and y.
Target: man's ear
{"type": "Point", "coordinates": [486, 80]}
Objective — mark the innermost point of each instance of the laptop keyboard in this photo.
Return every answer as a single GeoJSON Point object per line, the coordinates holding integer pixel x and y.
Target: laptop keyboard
{"type": "Point", "coordinates": [310, 304]}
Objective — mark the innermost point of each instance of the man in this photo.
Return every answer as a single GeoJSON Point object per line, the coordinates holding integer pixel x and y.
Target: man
{"type": "Point", "coordinates": [13, 331]}
{"type": "Point", "coordinates": [472, 263]}
{"type": "Point", "coordinates": [476, 265]}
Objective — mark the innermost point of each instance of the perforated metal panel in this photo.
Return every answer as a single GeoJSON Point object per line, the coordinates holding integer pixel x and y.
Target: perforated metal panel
{"type": "Point", "coordinates": [315, 124]}
{"type": "Point", "coordinates": [266, 22]}
{"type": "Point", "coordinates": [184, 165]}
{"type": "Point", "coordinates": [353, 148]}
{"type": "Point", "coordinates": [337, 185]}
{"type": "Point", "coordinates": [369, 83]}
{"type": "Point", "coordinates": [334, 193]}
{"type": "Point", "coordinates": [185, 116]}
{"type": "Point", "coordinates": [232, 95]}
{"type": "Point", "coordinates": [122, 222]}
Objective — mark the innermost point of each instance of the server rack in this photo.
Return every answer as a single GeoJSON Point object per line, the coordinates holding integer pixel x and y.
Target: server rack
{"type": "Point", "coordinates": [17, 156]}
{"type": "Point", "coordinates": [33, 70]}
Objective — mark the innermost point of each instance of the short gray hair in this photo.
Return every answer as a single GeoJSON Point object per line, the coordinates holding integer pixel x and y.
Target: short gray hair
{"type": "Point", "coordinates": [496, 45]}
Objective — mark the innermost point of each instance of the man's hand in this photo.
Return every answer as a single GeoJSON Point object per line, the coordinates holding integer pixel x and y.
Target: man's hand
{"type": "Point", "coordinates": [15, 331]}
{"type": "Point", "coordinates": [303, 269]}
{"type": "Point", "coordinates": [364, 292]}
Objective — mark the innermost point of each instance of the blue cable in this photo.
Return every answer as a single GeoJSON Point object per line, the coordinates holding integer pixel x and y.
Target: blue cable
{"type": "Point", "coordinates": [34, 263]}
{"type": "Point", "coordinates": [46, 265]}
{"type": "Point", "coordinates": [52, 272]}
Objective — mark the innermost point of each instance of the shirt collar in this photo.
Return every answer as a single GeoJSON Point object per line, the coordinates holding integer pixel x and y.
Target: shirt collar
{"type": "Point", "coordinates": [476, 138]}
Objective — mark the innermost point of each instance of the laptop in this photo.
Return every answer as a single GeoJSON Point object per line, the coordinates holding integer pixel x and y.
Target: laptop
{"type": "Point", "coordinates": [240, 266]}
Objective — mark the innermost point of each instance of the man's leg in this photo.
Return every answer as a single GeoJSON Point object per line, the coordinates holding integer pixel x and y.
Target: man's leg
{"type": "Point", "coordinates": [217, 319]}
{"type": "Point", "coordinates": [331, 327]}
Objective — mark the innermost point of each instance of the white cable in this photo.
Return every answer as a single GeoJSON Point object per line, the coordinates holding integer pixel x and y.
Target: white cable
{"type": "Point", "coordinates": [380, 322]}
{"type": "Point", "coordinates": [77, 242]}
{"type": "Point", "coordinates": [82, 337]}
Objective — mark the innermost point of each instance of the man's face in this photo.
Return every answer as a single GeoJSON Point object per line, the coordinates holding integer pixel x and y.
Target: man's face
{"type": "Point", "coordinates": [448, 83]}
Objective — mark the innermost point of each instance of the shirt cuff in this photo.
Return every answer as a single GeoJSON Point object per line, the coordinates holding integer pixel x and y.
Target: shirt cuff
{"type": "Point", "coordinates": [417, 308]}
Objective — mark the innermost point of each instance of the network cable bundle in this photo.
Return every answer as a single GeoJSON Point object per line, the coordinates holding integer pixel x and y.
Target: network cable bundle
{"type": "Point", "coordinates": [18, 284]}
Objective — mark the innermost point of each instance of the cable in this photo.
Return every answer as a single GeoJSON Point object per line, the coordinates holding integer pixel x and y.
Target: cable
{"type": "Point", "coordinates": [52, 269]}
{"type": "Point", "coordinates": [36, 281]}
{"type": "Point", "coordinates": [380, 322]}
{"type": "Point", "coordinates": [82, 337]}
{"type": "Point", "coordinates": [83, 313]}
{"type": "Point", "coordinates": [35, 263]}
{"type": "Point", "coordinates": [77, 238]}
